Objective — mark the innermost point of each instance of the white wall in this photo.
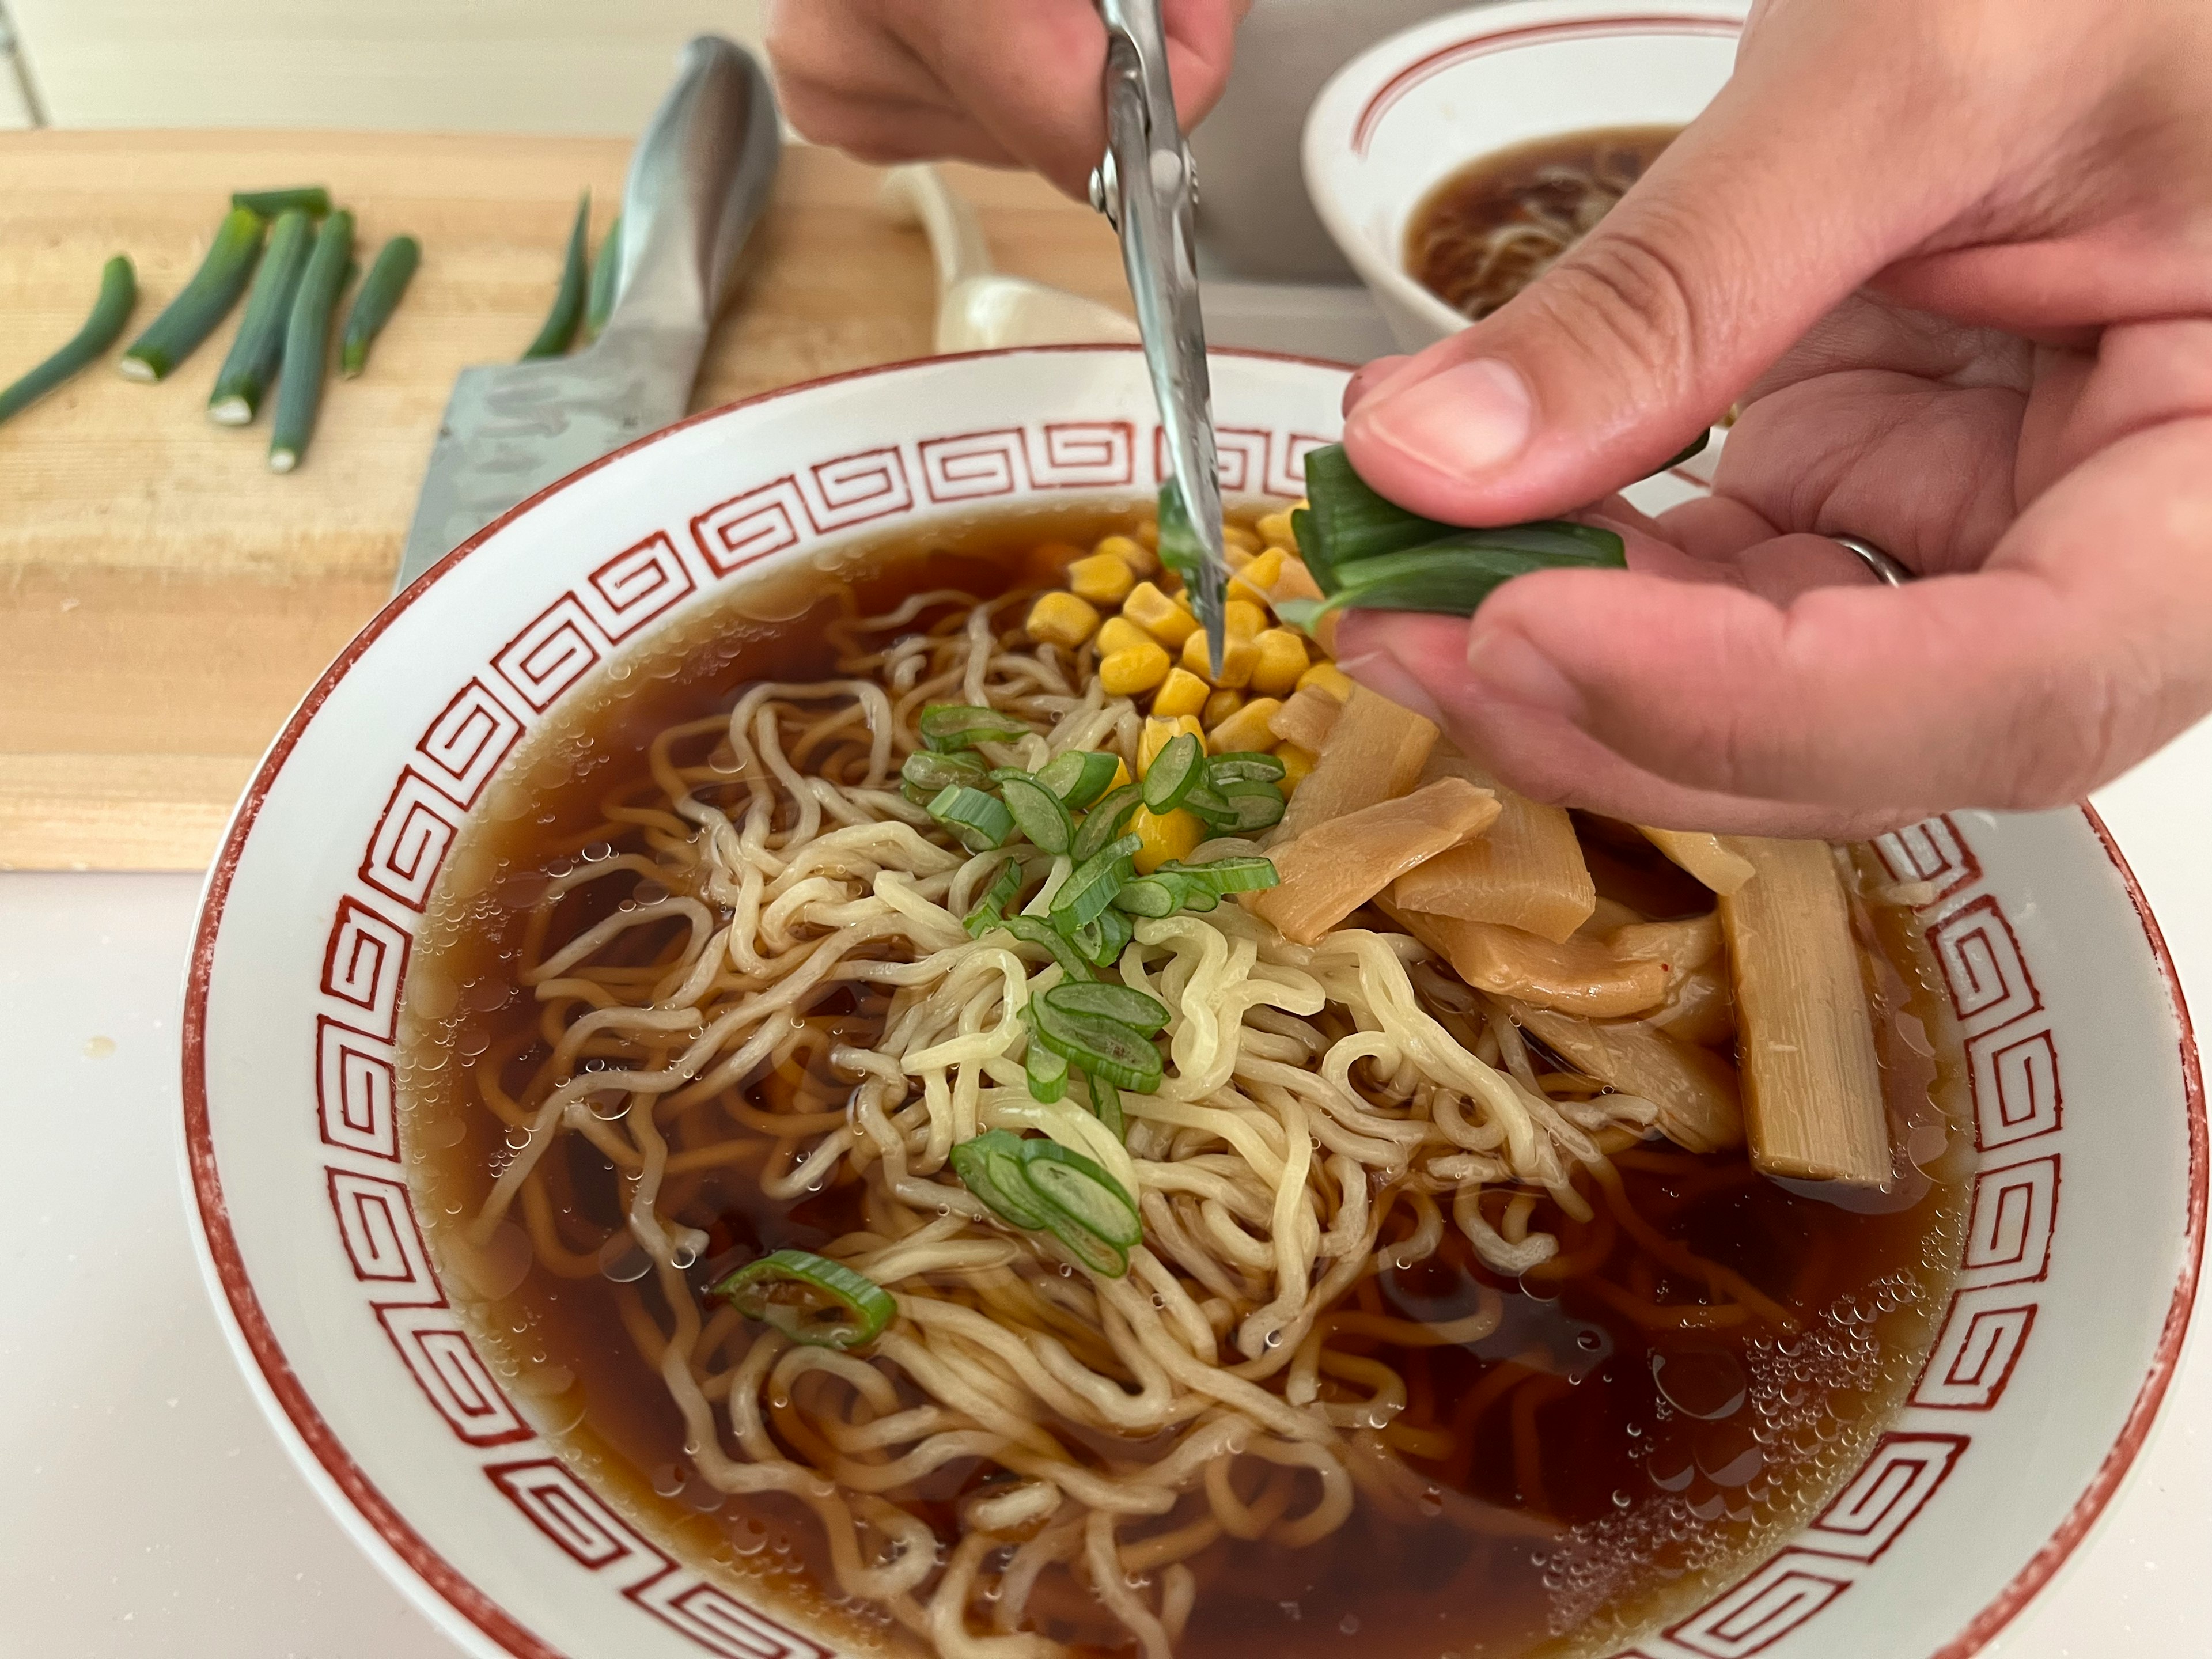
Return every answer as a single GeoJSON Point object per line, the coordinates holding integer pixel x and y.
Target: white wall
{"type": "Point", "coordinates": [581, 66]}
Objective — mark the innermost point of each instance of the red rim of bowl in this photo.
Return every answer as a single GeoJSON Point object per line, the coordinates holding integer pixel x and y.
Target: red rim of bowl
{"type": "Point", "coordinates": [251, 1326]}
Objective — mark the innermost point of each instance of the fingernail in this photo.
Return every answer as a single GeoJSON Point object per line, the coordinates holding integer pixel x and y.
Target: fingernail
{"type": "Point", "coordinates": [1506, 668]}
{"type": "Point", "coordinates": [1378, 671]}
{"type": "Point", "coordinates": [1472, 415]}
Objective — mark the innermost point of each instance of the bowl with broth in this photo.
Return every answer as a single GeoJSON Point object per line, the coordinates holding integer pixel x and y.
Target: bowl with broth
{"type": "Point", "coordinates": [777, 1064]}
{"type": "Point", "coordinates": [1454, 162]}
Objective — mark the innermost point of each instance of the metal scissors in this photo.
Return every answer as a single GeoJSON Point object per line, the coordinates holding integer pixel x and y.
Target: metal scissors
{"type": "Point", "coordinates": [1146, 189]}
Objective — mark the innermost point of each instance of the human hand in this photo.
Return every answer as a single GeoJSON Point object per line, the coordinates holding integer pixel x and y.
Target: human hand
{"type": "Point", "coordinates": [1955, 259]}
{"type": "Point", "coordinates": [1007, 82]}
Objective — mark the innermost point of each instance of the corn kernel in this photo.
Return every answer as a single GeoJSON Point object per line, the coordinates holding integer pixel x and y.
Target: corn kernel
{"type": "Point", "coordinates": [1239, 589]}
{"type": "Point", "coordinates": [1156, 735]}
{"type": "Point", "coordinates": [1246, 729]}
{"type": "Point", "coordinates": [1238, 654]}
{"type": "Point", "coordinates": [1158, 615]}
{"type": "Point", "coordinates": [1243, 619]}
{"type": "Point", "coordinates": [1218, 708]}
{"type": "Point", "coordinates": [1120, 633]}
{"type": "Point", "coordinates": [1137, 669]}
{"type": "Point", "coordinates": [1296, 763]}
{"type": "Point", "coordinates": [1264, 570]}
{"type": "Point", "coordinates": [1237, 535]}
{"type": "Point", "coordinates": [1327, 676]}
{"type": "Point", "coordinates": [1120, 774]}
{"type": "Point", "coordinates": [1148, 533]}
{"type": "Point", "coordinates": [1181, 693]}
{"type": "Point", "coordinates": [1275, 530]}
{"type": "Point", "coordinates": [1282, 659]}
{"type": "Point", "coordinates": [1101, 579]}
{"type": "Point", "coordinates": [1061, 619]}
{"type": "Point", "coordinates": [1131, 552]}
{"type": "Point", "coordinates": [1166, 836]}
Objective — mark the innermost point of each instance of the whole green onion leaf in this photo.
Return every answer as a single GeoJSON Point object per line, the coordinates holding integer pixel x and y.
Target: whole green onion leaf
{"type": "Point", "coordinates": [1103, 822]}
{"type": "Point", "coordinates": [558, 332]}
{"type": "Point", "coordinates": [1036, 930]}
{"type": "Point", "coordinates": [307, 342]}
{"type": "Point", "coordinates": [205, 301]}
{"type": "Point", "coordinates": [259, 347]}
{"type": "Point", "coordinates": [311, 199]}
{"type": "Point", "coordinates": [389, 274]}
{"type": "Point", "coordinates": [980, 822]}
{"type": "Point", "coordinates": [1080, 1190]}
{"type": "Point", "coordinates": [948, 726]}
{"type": "Point", "coordinates": [119, 292]}
{"type": "Point", "coordinates": [1179, 766]}
{"type": "Point", "coordinates": [1245, 766]}
{"type": "Point", "coordinates": [990, 1166]}
{"type": "Point", "coordinates": [1080, 777]}
{"type": "Point", "coordinates": [1090, 886]}
{"type": "Point", "coordinates": [1132, 1008]}
{"type": "Point", "coordinates": [607, 281]}
{"type": "Point", "coordinates": [811, 1299]}
{"type": "Point", "coordinates": [1102, 1046]}
{"type": "Point", "coordinates": [1038, 814]}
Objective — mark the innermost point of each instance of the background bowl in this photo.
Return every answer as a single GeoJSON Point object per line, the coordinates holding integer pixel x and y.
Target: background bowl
{"type": "Point", "coordinates": [1408, 113]}
{"type": "Point", "coordinates": [2055, 1352]}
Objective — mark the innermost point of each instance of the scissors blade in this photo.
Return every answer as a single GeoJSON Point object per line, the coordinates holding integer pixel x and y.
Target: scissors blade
{"type": "Point", "coordinates": [1146, 186]}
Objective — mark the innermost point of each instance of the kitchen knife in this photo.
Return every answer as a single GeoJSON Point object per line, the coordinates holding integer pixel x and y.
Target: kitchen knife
{"type": "Point", "coordinates": [698, 183]}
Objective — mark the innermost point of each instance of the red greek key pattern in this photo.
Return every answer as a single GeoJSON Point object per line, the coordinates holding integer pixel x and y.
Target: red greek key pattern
{"type": "Point", "coordinates": [1082, 454]}
{"type": "Point", "coordinates": [855, 489]}
{"type": "Point", "coordinates": [1983, 1334]}
{"type": "Point", "coordinates": [364, 966]}
{"type": "Point", "coordinates": [1763, 1609]}
{"type": "Point", "coordinates": [751, 527]}
{"type": "Point", "coordinates": [1867, 1515]}
{"type": "Point", "coordinates": [2016, 1082]}
{"type": "Point", "coordinates": [2008, 1231]}
{"type": "Point", "coordinates": [355, 1091]}
{"type": "Point", "coordinates": [377, 1225]}
{"type": "Point", "coordinates": [1979, 958]}
{"type": "Point", "coordinates": [973, 466]}
{"type": "Point", "coordinates": [466, 743]}
{"type": "Point", "coordinates": [718, 1622]}
{"type": "Point", "coordinates": [409, 842]}
{"type": "Point", "coordinates": [566, 1512]}
{"type": "Point", "coordinates": [1931, 851]}
{"type": "Point", "coordinates": [558, 649]}
{"type": "Point", "coordinates": [635, 585]}
{"type": "Point", "coordinates": [446, 1367]}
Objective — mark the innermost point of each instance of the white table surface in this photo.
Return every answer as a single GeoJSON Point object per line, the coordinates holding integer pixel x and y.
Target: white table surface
{"type": "Point", "coordinates": [147, 1508]}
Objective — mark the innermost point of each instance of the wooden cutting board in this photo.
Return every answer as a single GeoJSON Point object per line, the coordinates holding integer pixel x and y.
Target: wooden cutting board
{"type": "Point", "coordinates": [165, 600]}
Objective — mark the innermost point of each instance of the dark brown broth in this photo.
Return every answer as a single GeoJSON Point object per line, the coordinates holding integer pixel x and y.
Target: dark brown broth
{"type": "Point", "coordinates": [1651, 1504]}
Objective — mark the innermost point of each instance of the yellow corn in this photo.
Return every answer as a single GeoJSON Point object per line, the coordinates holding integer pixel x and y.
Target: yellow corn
{"type": "Point", "coordinates": [1156, 735]}
{"type": "Point", "coordinates": [1237, 535]}
{"type": "Point", "coordinates": [1181, 693]}
{"type": "Point", "coordinates": [1263, 570]}
{"type": "Point", "coordinates": [1274, 529]}
{"type": "Point", "coordinates": [1158, 615]}
{"type": "Point", "coordinates": [1218, 708]}
{"type": "Point", "coordinates": [1238, 654]}
{"type": "Point", "coordinates": [1296, 763]}
{"type": "Point", "coordinates": [1246, 729]}
{"type": "Point", "coordinates": [1282, 660]}
{"type": "Point", "coordinates": [1160, 838]}
{"type": "Point", "coordinates": [1243, 617]}
{"type": "Point", "coordinates": [1131, 552]}
{"type": "Point", "coordinates": [1328, 678]}
{"type": "Point", "coordinates": [1101, 579]}
{"type": "Point", "coordinates": [1235, 556]}
{"type": "Point", "coordinates": [1061, 619]}
{"type": "Point", "coordinates": [1129, 673]}
{"type": "Point", "coordinates": [1119, 633]}
{"type": "Point", "coordinates": [1148, 534]}
{"type": "Point", "coordinates": [1120, 774]}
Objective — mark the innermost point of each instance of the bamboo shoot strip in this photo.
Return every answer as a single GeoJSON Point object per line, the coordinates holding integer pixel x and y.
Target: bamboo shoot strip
{"type": "Point", "coordinates": [313, 199]}
{"type": "Point", "coordinates": [1338, 866]}
{"type": "Point", "coordinates": [388, 277]}
{"type": "Point", "coordinates": [259, 347]}
{"type": "Point", "coordinates": [1695, 1090]}
{"type": "Point", "coordinates": [559, 331]}
{"type": "Point", "coordinates": [1702, 855]}
{"type": "Point", "coordinates": [307, 342]}
{"type": "Point", "coordinates": [204, 302]}
{"type": "Point", "coordinates": [1812, 1085]}
{"type": "Point", "coordinates": [607, 281]}
{"type": "Point", "coordinates": [1374, 753]}
{"type": "Point", "coordinates": [119, 292]}
{"type": "Point", "coordinates": [1527, 872]}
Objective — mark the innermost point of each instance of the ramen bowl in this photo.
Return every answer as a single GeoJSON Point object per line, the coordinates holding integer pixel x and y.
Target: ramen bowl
{"type": "Point", "coordinates": [2054, 1349]}
{"type": "Point", "coordinates": [1407, 113]}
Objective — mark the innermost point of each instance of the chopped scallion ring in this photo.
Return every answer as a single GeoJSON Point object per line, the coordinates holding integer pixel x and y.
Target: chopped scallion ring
{"type": "Point", "coordinates": [981, 821]}
{"type": "Point", "coordinates": [1106, 1105]}
{"type": "Point", "coordinates": [1091, 886]}
{"type": "Point", "coordinates": [1046, 1072]}
{"type": "Point", "coordinates": [1083, 1191]}
{"type": "Point", "coordinates": [1080, 777]}
{"type": "Point", "coordinates": [1225, 876]}
{"type": "Point", "coordinates": [1103, 822]}
{"type": "Point", "coordinates": [1102, 1045]}
{"type": "Point", "coordinates": [990, 1166]}
{"type": "Point", "coordinates": [1038, 814]}
{"type": "Point", "coordinates": [1245, 766]}
{"type": "Point", "coordinates": [1175, 771]}
{"type": "Point", "coordinates": [926, 769]}
{"type": "Point", "coordinates": [1115, 933]}
{"type": "Point", "coordinates": [1110, 1001]}
{"type": "Point", "coordinates": [1148, 896]}
{"type": "Point", "coordinates": [811, 1299]}
{"type": "Point", "coordinates": [946, 726]}
{"type": "Point", "coordinates": [1035, 930]}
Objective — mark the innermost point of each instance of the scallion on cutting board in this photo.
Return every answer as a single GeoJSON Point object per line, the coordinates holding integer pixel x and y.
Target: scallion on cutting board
{"type": "Point", "coordinates": [312, 199]}
{"type": "Point", "coordinates": [119, 292]}
{"type": "Point", "coordinates": [307, 342]}
{"type": "Point", "coordinates": [558, 332]}
{"type": "Point", "coordinates": [205, 301]}
{"type": "Point", "coordinates": [387, 279]}
{"type": "Point", "coordinates": [259, 347]}
{"type": "Point", "coordinates": [607, 281]}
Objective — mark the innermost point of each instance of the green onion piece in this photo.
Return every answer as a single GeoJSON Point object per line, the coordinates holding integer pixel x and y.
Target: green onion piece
{"type": "Point", "coordinates": [1115, 933]}
{"type": "Point", "coordinates": [205, 301]}
{"type": "Point", "coordinates": [1083, 1191]}
{"type": "Point", "coordinates": [980, 822]}
{"type": "Point", "coordinates": [1106, 1105]}
{"type": "Point", "coordinates": [1148, 896]}
{"type": "Point", "coordinates": [946, 726]}
{"type": "Point", "coordinates": [259, 347]}
{"type": "Point", "coordinates": [1180, 549]}
{"type": "Point", "coordinates": [607, 278]}
{"type": "Point", "coordinates": [1243, 874]}
{"type": "Point", "coordinates": [1103, 822]}
{"type": "Point", "coordinates": [1038, 814]}
{"type": "Point", "coordinates": [1209, 806]}
{"type": "Point", "coordinates": [1036, 930]}
{"type": "Point", "coordinates": [1453, 576]}
{"type": "Point", "coordinates": [1047, 1072]}
{"type": "Point", "coordinates": [1195, 895]}
{"type": "Point", "coordinates": [811, 1299]}
{"type": "Point", "coordinates": [1245, 766]}
{"type": "Point", "coordinates": [1104, 1047]}
{"type": "Point", "coordinates": [389, 274]}
{"type": "Point", "coordinates": [990, 909]}
{"type": "Point", "coordinates": [1110, 1001]}
{"type": "Point", "coordinates": [312, 199]}
{"type": "Point", "coordinates": [1256, 807]}
{"type": "Point", "coordinates": [1345, 520]}
{"type": "Point", "coordinates": [119, 292]}
{"type": "Point", "coordinates": [927, 769]}
{"type": "Point", "coordinates": [1080, 777]}
{"type": "Point", "coordinates": [1179, 766]}
{"type": "Point", "coordinates": [558, 332]}
{"type": "Point", "coordinates": [990, 1166]}
{"type": "Point", "coordinates": [307, 342]}
{"type": "Point", "coordinates": [1090, 888]}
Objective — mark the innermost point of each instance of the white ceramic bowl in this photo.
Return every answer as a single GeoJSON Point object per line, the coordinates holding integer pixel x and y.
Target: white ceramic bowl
{"type": "Point", "coordinates": [1406, 113]}
{"type": "Point", "coordinates": [2059, 1341]}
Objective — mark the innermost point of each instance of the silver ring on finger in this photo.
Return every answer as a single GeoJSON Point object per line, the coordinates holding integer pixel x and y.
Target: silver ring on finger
{"type": "Point", "coordinates": [1886, 570]}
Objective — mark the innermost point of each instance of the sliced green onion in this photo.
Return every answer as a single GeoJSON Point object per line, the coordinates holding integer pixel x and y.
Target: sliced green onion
{"type": "Point", "coordinates": [258, 346]}
{"type": "Point", "coordinates": [981, 821]}
{"type": "Point", "coordinates": [990, 909]}
{"type": "Point", "coordinates": [1103, 822]}
{"type": "Point", "coordinates": [1083, 1191]}
{"type": "Point", "coordinates": [1106, 1105]}
{"type": "Point", "coordinates": [311, 199]}
{"type": "Point", "coordinates": [1103, 1047]}
{"type": "Point", "coordinates": [1245, 766]}
{"type": "Point", "coordinates": [927, 770]}
{"type": "Point", "coordinates": [1180, 549]}
{"type": "Point", "coordinates": [378, 297]}
{"type": "Point", "coordinates": [1243, 874]}
{"type": "Point", "coordinates": [990, 1166]}
{"type": "Point", "coordinates": [119, 292]}
{"type": "Point", "coordinates": [1080, 776]}
{"type": "Point", "coordinates": [1115, 933]}
{"type": "Point", "coordinates": [811, 1299]}
{"type": "Point", "coordinates": [1106, 1000]}
{"type": "Point", "coordinates": [1195, 896]}
{"type": "Point", "coordinates": [307, 343]}
{"type": "Point", "coordinates": [1038, 814]}
{"type": "Point", "coordinates": [1047, 1072]}
{"type": "Point", "coordinates": [1148, 896]}
{"type": "Point", "coordinates": [1179, 767]}
{"type": "Point", "coordinates": [963, 726]}
{"type": "Point", "coordinates": [558, 332]}
{"type": "Point", "coordinates": [607, 278]}
{"type": "Point", "coordinates": [1255, 806]}
{"type": "Point", "coordinates": [1090, 886]}
{"type": "Point", "coordinates": [205, 301]}
{"type": "Point", "coordinates": [1036, 930]}
{"type": "Point", "coordinates": [1209, 806]}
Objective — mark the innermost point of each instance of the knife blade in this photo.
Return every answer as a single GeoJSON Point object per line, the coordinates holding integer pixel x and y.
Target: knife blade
{"type": "Point", "coordinates": [698, 183]}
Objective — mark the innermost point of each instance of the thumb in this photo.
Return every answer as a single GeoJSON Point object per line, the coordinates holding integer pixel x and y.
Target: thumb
{"type": "Point", "coordinates": [1789, 191]}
